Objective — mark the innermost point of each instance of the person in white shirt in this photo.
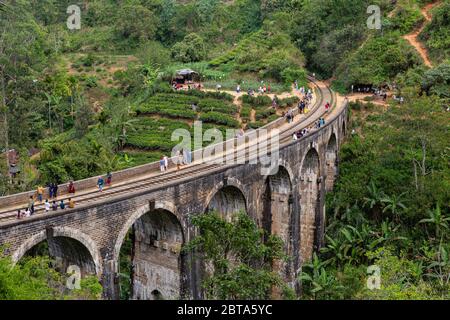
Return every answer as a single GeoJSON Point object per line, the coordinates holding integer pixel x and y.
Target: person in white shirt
{"type": "Point", "coordinates": [47, 206]}
{"type": "Point", "coordinates": [27, 212]}
{"type": "Point", "coordinates": [166, 162]}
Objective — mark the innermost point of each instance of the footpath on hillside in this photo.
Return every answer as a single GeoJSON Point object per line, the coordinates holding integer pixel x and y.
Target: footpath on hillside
{"type": "Point", "coordinates": [412, 37]}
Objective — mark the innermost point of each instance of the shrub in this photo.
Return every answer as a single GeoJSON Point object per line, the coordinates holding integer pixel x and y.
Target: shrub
{"type": "Point", "coordinates": [191, 49]}
{"type": "Point", "coordinates": [219, 118]}
{"type": "Point", "coordinates": [256, 100]}
{"type": "Point", "coordinates": [262, 114]}
{"type": "Point", "coordinates": [255, 124]}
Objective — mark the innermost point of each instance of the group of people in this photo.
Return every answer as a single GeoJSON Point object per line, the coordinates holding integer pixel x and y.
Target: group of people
{"type": "Point", "coordinates": [261, 90]}
{"type": "Point", "coordinates": [302, 106]}
{"type": "Point", "coordinates": [264, 89]}
{"type": "Point", "coordinates": [319, 123]}
{"type": "Point", "coordinates": [362, 89]}
{"type": "Point", "coordinates": [52, 191]}
{"type": "Point", "coordinates": [400, 99]}
{"type": "Point", "coordinates": [300, 133]}
{"type": "Point", "coordinates": [51, 202]}
{"type": "Point", "coordinates": [30, 209]}
{"type": "Point", "coordinates": [54, 206]}
{"type": "Point", "coordinates": [290, 116]}
{"type": "Point", "coordinates": [179, 86]}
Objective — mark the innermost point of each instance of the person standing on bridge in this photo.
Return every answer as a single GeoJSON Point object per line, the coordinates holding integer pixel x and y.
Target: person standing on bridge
{"type": "Point", "coordinates": [31, 205]}
{"type": "Point", "coordinates": [55, 190]}
{"type": "Point", "coordinates": [71, 188]}
{"type": "Point", "coordinates": [47, 205]}
{"type": "Point", "coordinates": [187, 156]}
{"type": "Point", "coordinates": [166, 163]}
{"type": "Point", "coordinates": [40, 193]}
{"type": "Point", "coordinates": [100, 183]}
{"type": "Point", "coordinates": [327, 106]}
{"type": "Point", "coordinates": [180, 158]}
{"type": "Point", "coordinates": [50, 190]}
{"type": "Point", "coordinates": [108, 179]}
{"type": "Point", "coordinates": [162, 165]}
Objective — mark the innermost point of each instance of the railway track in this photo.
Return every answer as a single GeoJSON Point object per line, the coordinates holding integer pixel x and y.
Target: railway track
{"type": "Point", "coordinates": [194, 170]}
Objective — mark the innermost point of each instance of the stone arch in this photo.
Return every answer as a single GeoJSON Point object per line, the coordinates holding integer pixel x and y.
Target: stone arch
{"type": "Point", "coordinates": [227, 198]}
{"type": "Point", "coordinates": [27, 245]}
{"type": "Point", "coordinates": [309, 190]}
{"type": "Point", "coordinates": [144, 209]}
{"type": "Point", "coordinates": [69, 246]}
{"type": "Point", "coordinates": [157, 263]}
{"type": "Point", "coordinates": [286, 166]}
{"type": "Point", "coordinates": [331, 158]}
{"type": "Point", "coordinates": [229, 181]}
{"type": "Point", "coordinates": [277, 213]}
{"type": "Point", "coordinates": [310, 158]}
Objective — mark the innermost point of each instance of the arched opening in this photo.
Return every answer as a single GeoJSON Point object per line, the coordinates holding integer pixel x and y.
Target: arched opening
{"type": "Point", "coordinates": [309, 203]}
{"type": "Point", "coordinates": [156, 295]}
{"type": "Point", "coordinates": [277, 214]}
{"type": "Point", "coordinates": [228, 201]}
{"type": "Point", "coordinates": [330, 162]}
{"type": "Point", "coordinates": [150, 260]}
{"type": "Point", "coordinates": [64, 252]}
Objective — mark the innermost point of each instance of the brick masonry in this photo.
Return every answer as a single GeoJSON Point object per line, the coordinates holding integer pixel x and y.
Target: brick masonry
{"type": "Point", "coordinates": [289, 204]}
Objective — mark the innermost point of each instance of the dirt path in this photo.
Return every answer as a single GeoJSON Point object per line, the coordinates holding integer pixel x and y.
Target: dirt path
{"type": "Point", "coordinates": [238, 102]}
{"type": "Point", "coordinates": [252, 117]}
{"type": "Point", "coordinates": [412, 37]}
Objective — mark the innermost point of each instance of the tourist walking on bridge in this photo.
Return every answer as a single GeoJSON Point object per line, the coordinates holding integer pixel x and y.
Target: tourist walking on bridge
{"type": "Point", "coordinates": [100, 183]}
{"type": "Point", "coordinates": [31, 205]}
{"type": "Point", "coordinates": [108, 179]}
{"type": "Point", "coordinates": [166, 163]}
{"type": "Point", "coordinates": [50, 190]}
{"type": "Point", "coordinates": [162, 165]}
{"type": "Point", "coordinates": [40, 193]}
{"type": "Point", "coordinates": [71, 188]}
{"type": "Point", "coordinates": [180, 158]}
{"type": "Point", "coordinates": [290, 116]}
{"type": "Point", "coordinates": [55, 190]}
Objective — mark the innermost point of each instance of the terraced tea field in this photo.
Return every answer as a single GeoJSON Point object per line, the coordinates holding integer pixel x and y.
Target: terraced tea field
{"type": "Point", "coordinates": [159, 116]}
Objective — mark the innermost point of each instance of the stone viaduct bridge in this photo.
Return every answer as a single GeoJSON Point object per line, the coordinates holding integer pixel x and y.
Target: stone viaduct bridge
{"type": "Point", "coordinates": [158, 207]}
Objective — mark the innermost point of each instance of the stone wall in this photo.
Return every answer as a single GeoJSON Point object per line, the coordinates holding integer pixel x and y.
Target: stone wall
{"type": "Point", "coordinates": [290, 204]}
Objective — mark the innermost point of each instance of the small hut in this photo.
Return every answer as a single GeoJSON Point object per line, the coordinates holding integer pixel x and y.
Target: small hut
{"type": "Point", "coordinates": [184, 76]}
